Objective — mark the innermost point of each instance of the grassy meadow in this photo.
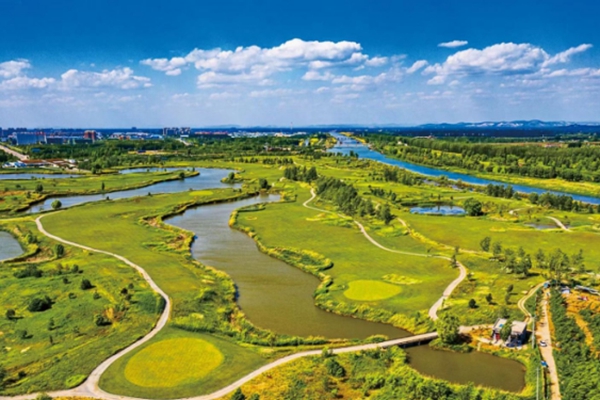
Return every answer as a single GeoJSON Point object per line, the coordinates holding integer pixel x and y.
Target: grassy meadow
{"type": "Point", "coordinates": [59, 346]}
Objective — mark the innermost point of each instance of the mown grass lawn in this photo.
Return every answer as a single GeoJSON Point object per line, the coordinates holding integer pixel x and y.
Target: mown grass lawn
{"type": "Point", "coordinates": [57, 348]}
{"type": "Point", "coordinates": [192, 371]}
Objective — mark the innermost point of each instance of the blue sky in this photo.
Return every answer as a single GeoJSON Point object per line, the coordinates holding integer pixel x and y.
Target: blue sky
{"type": "Point", "coordinates": [124, 63]}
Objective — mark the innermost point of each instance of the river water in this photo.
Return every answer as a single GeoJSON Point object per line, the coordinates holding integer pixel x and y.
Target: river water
{"type": "Point", "coordinates": [277, 296]}
{"type": "Point", "coordinates": [346, 145]}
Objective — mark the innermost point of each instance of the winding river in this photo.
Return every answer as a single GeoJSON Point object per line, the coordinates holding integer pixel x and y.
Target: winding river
{"type": "Point", "coordinates": [346, 145]}
{"type": "Point", "coordinates": [277, 296]}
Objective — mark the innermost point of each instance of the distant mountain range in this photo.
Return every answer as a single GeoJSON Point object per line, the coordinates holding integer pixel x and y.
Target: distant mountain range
{"type": "Point", "coordinates": [531, 124]}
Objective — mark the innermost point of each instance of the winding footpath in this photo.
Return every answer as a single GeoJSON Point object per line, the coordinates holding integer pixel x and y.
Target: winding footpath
{"type": "Point", "coordinates": [447, 292]}
{"type": "Point", "coordinates": [559, 223]}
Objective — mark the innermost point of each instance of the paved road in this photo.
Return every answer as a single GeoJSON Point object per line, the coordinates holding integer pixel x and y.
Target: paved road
{"type": "Point", "coordinates": [543, 333]}
{"type": "Point", "coordinates": [447, 292]}
{"type": "Point", "coordinates": [12, 152]}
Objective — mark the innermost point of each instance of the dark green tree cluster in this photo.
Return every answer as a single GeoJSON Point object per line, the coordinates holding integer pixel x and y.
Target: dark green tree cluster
{"type": "Point", "coordinates": [303, 174]}
{"type": "Point", "coordinates": [473, 207]}
{"type": "Point", "coordinates": [347, 199]}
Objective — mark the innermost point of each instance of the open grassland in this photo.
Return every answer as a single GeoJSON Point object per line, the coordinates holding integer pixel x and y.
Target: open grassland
{"type": "Point", "coordinates": [58, 347]}
{"type": "Point", "coordinates": [179, 364]}
{"type": "Point", "coordinates": [20, 193]}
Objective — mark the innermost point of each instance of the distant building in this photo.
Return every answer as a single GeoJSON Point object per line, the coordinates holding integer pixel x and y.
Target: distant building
{"type": "Point", "coordinates": [23, 139]}
{"type": "Point", "coordinates": [90, 135]}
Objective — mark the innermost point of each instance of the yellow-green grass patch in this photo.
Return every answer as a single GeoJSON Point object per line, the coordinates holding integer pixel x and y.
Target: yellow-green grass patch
{"type": "Point", "coordinates": [173, 362]}
{"type": "Point", "coordinates": [367, 290]}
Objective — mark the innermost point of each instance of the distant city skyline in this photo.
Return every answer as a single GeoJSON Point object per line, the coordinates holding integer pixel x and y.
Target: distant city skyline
{"type": "Point", "coordinates": [181, 63]}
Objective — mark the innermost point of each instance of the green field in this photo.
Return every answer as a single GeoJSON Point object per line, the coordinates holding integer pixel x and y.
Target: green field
{"type": "Point", "coordinates": [58, 347]}
{"type": "Point", "coordinates": [179, 364]}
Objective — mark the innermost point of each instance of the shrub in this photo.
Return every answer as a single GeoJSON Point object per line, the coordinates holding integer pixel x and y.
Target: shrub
{"type": "Point", "coordinates": [238, 395]}
{"type": "Point", "coordinates": [334, 368]}
{"type": "Point", "coordinates": [39, 304]}
{"type": "Point", "coordinates": [86, 284]}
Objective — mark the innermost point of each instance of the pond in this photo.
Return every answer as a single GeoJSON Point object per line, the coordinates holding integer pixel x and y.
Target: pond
{"type": "Point", "coordinates": [9, 246]}
{"type": "Point", "coordinates": [438, 210]}
{"type": "Point", "coordinates": [480, 368]}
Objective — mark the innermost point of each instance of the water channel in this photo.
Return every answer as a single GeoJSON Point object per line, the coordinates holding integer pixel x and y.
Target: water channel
{"type": "Point", "coordinates": [346, 145]}
{"type": "Point", "coordinates": [277, 296]}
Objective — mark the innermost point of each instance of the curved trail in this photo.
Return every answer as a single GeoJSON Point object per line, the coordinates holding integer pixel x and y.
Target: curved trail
{"type": "Point", "coordinates": [559, 223]}
{"type": "Point", "coordinates": [523, 300]}
{"type": "Point", "coordinates": [447, 292]}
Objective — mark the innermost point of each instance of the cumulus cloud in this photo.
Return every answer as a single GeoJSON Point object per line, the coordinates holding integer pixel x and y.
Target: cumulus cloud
{"type": "Point", "coordinates": [10, 69]}
{"type": "Point", "coordinates": [417, 65]}
{"type": "Point", "coordinates": [453, 44]}
{"type": "Point", "coordinates": [499, 59]}
{"type": "Point", "coordinates": [272, 92]}
{"type": "Point", "coordinates": [23, 82]}
{"type": "Point", "coordinates": [122, 78]}
{"type": "Point", "coordinates": [254, 64]}
{"type": "Point", "coordinates": [317, 76]}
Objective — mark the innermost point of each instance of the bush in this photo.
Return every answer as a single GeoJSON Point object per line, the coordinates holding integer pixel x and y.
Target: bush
{"type": "Point", "coordinates": [238, 395]}
{"type": "Point", "coordinates": [334, 368]}
{"type": "Point", "coordinates": [39, 304]}
{"type": "Point", "coordinates": [59, 250]}
{"type": "Point", "coordinates": [10, 314]}
{"type": "Point", "coordinates": [56, 204]}
{"type": "Point", "coordinates": [86, 284]}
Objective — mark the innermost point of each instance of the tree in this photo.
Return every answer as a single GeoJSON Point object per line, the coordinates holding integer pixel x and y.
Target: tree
{"type": "Point", "coordinates": [56, 204]}
{"type": "Point", "coordinates": [263, 184]}
{"type": "Point", "coordinates": [39, 188]}
{"type": "Point", "coordinates": [385, 214]}
{"type": "Point", "coordinates": [86, 284]}
{"type": "Point", "coordinates": [497, 249]}
{"type": "Point", "coordinates": [472, 303]}
{"type": "Point", "coordinates": [489, 298]}
{"type": "Point", "coordinates": [473, 207]}
{"type": "Point", "coordinates": [447, 327]}
{"type": "Point", "coordinates": [238, 395]}
{"type": "Point", "coordinates": [485, 243]}
{"type": "Point", "coordinates": [102, 187]}
{"type": "Point", "coordinates": [255, 396]}
{"type": "Point", "coordinates": [10, 314]}
{"type": "Point", "coordinates": [2, 376]}
{"type": "Point", "coordinates": [506, 330]}
{"type": "Point", "coordinates": [59, 250]}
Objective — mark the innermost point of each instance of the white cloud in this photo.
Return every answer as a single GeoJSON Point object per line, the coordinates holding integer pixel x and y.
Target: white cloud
{"type": "Point", "coordinates": [317, 76]}
{"type": "Point", "coordinates": [9, 69]}
{"type": "Point", "coordinates": [23, 82]}
{"type": "Point", "coordinates": [212, 79]}
{"type": "Point", "coordinates": [376, 62]}
{"type": "Point", "coordinates": [272, 93]}
{"type": "Point", "coordinates": [565, 56]}
{"type": "Point", "coordinates": [224, 96]}
{"type": "Point", "coordinates": [499, 59]}
{"type": "Point", "coordinates": [171, 67]}
{"type": "Point", "coordinates": [453, 44]}
{"type": "Point", "coordinates": [122, 78]}
{"type": "Point", "coordinates": [417, 65]}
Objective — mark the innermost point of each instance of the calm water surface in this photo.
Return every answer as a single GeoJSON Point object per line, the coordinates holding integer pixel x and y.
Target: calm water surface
{"type": "Point", "coordinates": [345, 145]}
{"type": "Point", "coordinates": [480, 368]}
{"type": "Point", "coordinates": [9, 246]}
{"type": "Point", "coordinates": [438, 210]}
{"type": "Point", "coordinates": [208, 178]}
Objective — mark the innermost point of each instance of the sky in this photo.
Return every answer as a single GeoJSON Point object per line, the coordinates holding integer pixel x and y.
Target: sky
{"type": "Point", "coordinates": [109, 63]}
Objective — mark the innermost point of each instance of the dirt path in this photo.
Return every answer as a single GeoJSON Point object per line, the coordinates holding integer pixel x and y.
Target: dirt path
{"type": "Point", "coordinates": [523, 300]}
{"type": "Point", "coordinates": [447, 292]}
{"type": "Point", "coordinates": [559, 223]}
{"type": "Point", "coordinates": [12, 152]}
